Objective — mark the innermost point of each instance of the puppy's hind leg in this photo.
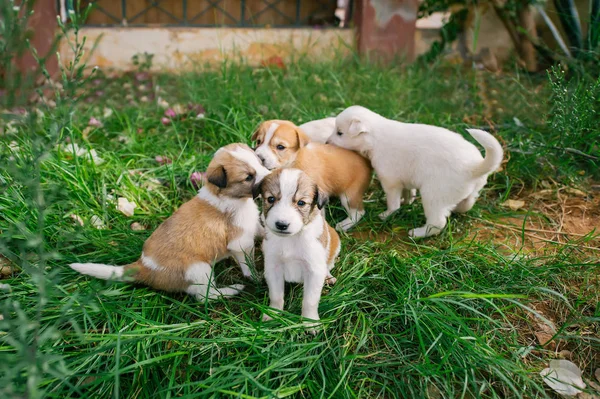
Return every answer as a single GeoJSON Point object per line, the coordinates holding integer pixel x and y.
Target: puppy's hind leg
{"type": "Point", "coordinates": [198, 275]}
{"type": "Point", "coordinates": [466, 204]}
{"type": "Point", "coordinates": [436, 214]}
{"type": "Point", "coordinates": [408, 196]}
{"type": "Point", "coordinates": [354, 207]}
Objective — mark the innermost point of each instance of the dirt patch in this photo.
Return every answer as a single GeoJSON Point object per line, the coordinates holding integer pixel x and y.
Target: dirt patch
{"type": "Point", "coordinates": [549, 218]}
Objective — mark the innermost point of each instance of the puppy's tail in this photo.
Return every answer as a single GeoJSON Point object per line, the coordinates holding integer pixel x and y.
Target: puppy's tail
{"type": "Point", "coordinates": [106, 272]}
{"type": "Point", "coordinates": [493, 152]}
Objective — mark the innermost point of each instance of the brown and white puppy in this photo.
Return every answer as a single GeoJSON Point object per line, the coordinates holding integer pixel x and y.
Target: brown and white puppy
{"type": "Point", "coordinates": [221, 221]}
{"type": "Point", "coordinates": [299, 245]}
{"type": "Point", "coordinates": [337, 171]}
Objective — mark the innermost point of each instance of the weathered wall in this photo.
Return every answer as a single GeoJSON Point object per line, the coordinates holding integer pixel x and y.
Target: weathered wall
{"type": "Point", "coordinates": [185, 48]}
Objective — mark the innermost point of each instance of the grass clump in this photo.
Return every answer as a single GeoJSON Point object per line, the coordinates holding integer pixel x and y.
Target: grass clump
{"type": "Point", "coordinates": [450, 316]}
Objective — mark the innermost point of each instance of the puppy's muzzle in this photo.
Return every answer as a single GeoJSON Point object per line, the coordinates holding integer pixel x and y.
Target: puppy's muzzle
{"type": "Point", "coordinates": [282, 226]}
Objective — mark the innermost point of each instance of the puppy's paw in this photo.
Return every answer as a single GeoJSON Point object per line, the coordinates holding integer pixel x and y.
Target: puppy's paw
{"type": "Point", "coordinates": [330, 280]}
{"type": "Point", "coordinates": [311, 327]}
{"type": "Point", "coordinates": [266, 317]}
{"type": "Point", "coordinates": [344, 225]}
{"type": "Point", "coordinates": [246, 272]}
{"type": "Point", "coordinates": [386, 214]}
{"type": "Point", "coordinates": [424, 231]}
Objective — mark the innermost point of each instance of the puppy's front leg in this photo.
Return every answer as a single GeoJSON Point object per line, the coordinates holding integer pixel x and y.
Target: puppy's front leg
{"type": "Point", "coordinates": [393, 196]}
{"type": "Point", "coordinates": [313, 286]}
{"type": "Point", "coordinates": [240, 258]}
{"type": "Point", "coordinates": [276, 283]}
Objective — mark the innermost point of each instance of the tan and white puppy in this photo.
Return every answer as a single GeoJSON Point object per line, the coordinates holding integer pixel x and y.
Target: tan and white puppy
{"type": "Point", "coordinates": [447, 169]}
{"type": "Point", "coordinates": [338, 172]}
{"type": "Point", "coordinates": [221, 221]}
{"type": "Point", "coordinates": [299, 245]}
{"type": "Point", "coordinates": [319, 130]}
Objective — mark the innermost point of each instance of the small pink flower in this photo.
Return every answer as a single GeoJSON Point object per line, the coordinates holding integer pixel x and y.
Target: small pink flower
{"type": "Point", "coordinates": [142, 76]}
{"type": "Point", "coordinates": [170, 112]}
{"type": "Point", "coordinates": [94, 122]}
{"type": "Point", "coordinates": [162, 160]}
{"type": "Point", "coordinates": [165, 121]}
{"type": "Point", "coordinates": [197, 109]}
{"type": "Point", "coordinates": [197, 179]}
{"type": "Point", "coordinates": [140, 130]}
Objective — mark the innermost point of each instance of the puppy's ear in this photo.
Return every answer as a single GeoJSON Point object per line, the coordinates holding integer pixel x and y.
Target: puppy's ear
{"type": "Point", "coordinates": [321, 198]}
{"type": "Point", "coordinates": [257, 189]}
{"type": "Point", "coordinates": [356, 127]}
{"type": "Point", "coordinates": [217, 176]}
{"type": "Point", "coordinates": [302, 138]}
{"type": "Point", "coordinates": [259, 130]}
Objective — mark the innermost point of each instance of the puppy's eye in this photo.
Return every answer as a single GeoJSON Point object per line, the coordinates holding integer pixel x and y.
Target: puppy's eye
{"type": "Point", "coordinates": [301, 203]}
{"type": "Point", "coordinates": [270, 200]}
{"type": "Point", "coordinates": [257, 142]}
{"type": "Point", "coordinates": [280, 147]}
{"type": "Point", "coordinates": [339, 133]}
{"type": "Point", "coordinates": [249, 177]}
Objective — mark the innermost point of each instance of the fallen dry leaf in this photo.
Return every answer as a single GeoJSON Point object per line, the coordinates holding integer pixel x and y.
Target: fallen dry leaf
{"type": "Point", "coordinates": [575, 192]}
{"type": "Point", "coordinates": [97, 222]}
{"type": "Point", "coordinates": [564, 377]}
{"type": "Point", "coordinates": [135, 226]}
{"type": "Point", "coordinates": [125, 207]}
{"type": "Point", "coordinates": [513, 204]}
{"type": "Point", "coordinates": [543, 194]}
{"type": "Point", "coordinates": [6, 267]}
{"type": "Point", "coordinates": [77, 219]}
{"type": "Point", "coordinates": [545, 333]}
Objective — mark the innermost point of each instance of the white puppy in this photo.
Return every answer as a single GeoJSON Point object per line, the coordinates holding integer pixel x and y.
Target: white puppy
{"type": "Point", "coordinates": [447, 169]}
{"type": "Point", "coordinates": [318, 130]}
{"type": "Point", "coordinates": [299, 245]}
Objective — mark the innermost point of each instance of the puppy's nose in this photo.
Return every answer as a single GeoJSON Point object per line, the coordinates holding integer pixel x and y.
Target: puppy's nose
{"type": "Point", "coordinates": [282, 226]}
{"type": "Point", "coordinates": [262, 159]}
{"type": "Point", "coordinates": [327, 141]}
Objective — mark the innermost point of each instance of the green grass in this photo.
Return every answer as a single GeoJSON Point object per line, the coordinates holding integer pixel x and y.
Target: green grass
{"type": "Point", "coordinates": [451, 316]}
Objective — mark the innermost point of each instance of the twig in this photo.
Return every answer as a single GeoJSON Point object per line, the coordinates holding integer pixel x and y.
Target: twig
{"type": "Point", "coordinates": [532, 229]}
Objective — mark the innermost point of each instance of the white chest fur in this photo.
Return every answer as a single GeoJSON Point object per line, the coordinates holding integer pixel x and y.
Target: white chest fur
{"type": "Point", "coordinates": [244, 215]}
{"type": "Point", "coordinates": [298, 255]}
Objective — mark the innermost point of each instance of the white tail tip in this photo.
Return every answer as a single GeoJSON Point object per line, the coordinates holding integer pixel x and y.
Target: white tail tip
{"type": "Point", "coordinates": [99, 270]}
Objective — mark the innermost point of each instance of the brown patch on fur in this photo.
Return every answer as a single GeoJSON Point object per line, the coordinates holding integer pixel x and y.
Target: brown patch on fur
{"type": "Point", "coordinates": [334, 243]}
{"type": "Point", "coordinates": [337, 171]}
{"type": "Point", "coordinates": [288, 135]}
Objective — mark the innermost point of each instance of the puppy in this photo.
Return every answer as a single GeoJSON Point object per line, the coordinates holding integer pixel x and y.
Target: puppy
{"type": "Point", "coordinates": [447, 169]}
{"type": "Point", "coordinates": [319, 130]}
{"type": "Point", "coordinates": [338, 172]}
{"type": "Point", "coordinates": [221, 221]}
{"type": "Point", "coordinates": [299, 245]}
